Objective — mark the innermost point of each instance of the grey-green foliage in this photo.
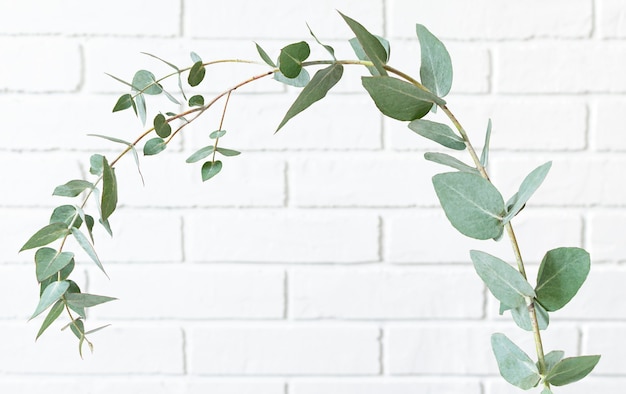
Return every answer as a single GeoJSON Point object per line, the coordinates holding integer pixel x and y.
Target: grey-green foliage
{"type": "Point", "coordinates": [471, 202]}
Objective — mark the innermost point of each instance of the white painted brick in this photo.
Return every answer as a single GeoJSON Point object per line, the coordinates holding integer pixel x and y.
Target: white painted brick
{"type": "Point", "coordinates": [155, 350]}
{"type": "Point", "coordinates": [491, 19]}
{"type": "Point", "coordinates": [245, 180]}
{"type": "Point", "coordinates": [461, 349]}
{"type": "Point", "coordinates": [189, 292]}
{"type": "Point", "coordinates": [574, 180]}
{"type": "Point", "coordinates": [608, 131]}
{"type": "Point", "coordinates": [605, 235]}
{"type": "Point", "coordinates": [133, 385]}
{"type": "Point", "coordinates": [363, 180]}
{"type": "Point", "coordinates": [607, 340]}
{"type": "Point", "coordinates": [20, 301]}
{"type": "Point", "coordinates": [346, 293]}
{"type": "Point", "coordinates": [547, 67]}
{"type": "Point", "coordinates": [281, 236]}
{"type": "Point", "coordinates": [115, 17]}
{"type": "Point", "coordinates": [555, 124]}
{"type": "Point", "coordinates": [385, 386]}
{"type": "Point", "coordinates": [18, 226]}
{"type": "Point", "coordinates": [21, 69]}
{"type": "Point", "coordinates": [590, 384]}
{"type": "Point", "coordinates": [241, 19]}
{"type": "Point", "coordinates": [339, 122]}
{"type": "Point", "coordinates": [284, 350]}
{"type": "Point", "coordinates": [425, 237]}
{"type": "Point", "coordinates": [611, 14]}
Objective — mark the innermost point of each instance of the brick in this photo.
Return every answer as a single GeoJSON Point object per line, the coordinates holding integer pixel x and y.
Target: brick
{"type": "Point", "coordinates": [284, 350]}
{"type": "Point", "coordinates": [281, 236]}
{"type": "Point", "coordinates": [610, 17]}
{"type": "Point", "coordinates": [347, 293]}
{"type": "Point", "coordinates": [20, 300]}
{"type": "Point", "coordinates": [338, 122]}
{"type": "Point", "coordinates": [161, 18]}
{"type": "Point", "coordinates": [363, 180]}
{"type": "Point", "coordinates": [607, 129]}
{"type": "Point", "coordinates": [240, 19]}
{"type": "Point", "coordinates": [589, 384]}
{"type": "Point", "coordinates": [56, 352]}
{"type": "Point", "coordinates": [426, 236]}
{"type": "Point", "coordinates": [21, 224]}
{"type": "Point", "coordinates": [605, 243]}
{"type": "Point", "coordinates": [556, 124]}
{"type": "Point", "coordinates": [546, 67]}
{"type": "Point", "coordinates": [247, 180]}
{"type": "Point", "coordinates": [495, 21]}
{"type": "Point", "coordinates": [384, 386]}
{"type": "Point", "coordinates": [574, 180]}
{"type": "Point", "coordinates": [606, 340]}
{"type": "Point", "coordinates": [192, 292]}
{"type": "Point", "coordinates": [20, 70]}
{"type": "Point", "coordinates": [462, 349]}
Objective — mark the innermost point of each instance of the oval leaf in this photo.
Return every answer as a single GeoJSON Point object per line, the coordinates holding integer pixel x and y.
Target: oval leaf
{"type": "Point", "coordinates": [217, 134]}
{"type": "Point", "coordinates": [109, 190]}
{"type": "Point", "coordinates": [502, 280]}
{"type": "Point", "coordinates": [436, 66]}
{"type": "Point", "coordinates": [471, 203]}
{"type": "Point", "coordinates": [154, 146]}
{"type": "Point", "coordinates": [50, 295]}
{"type": "Point", "coordinates": [528, 187]}
{"type": "Point", "coordinates": [438, 132]}
{"type": "Point", "coordinates": [196, 101]}
{"type": "Point", "coordinates": [228, 152]}
{"type": "Point", "coordinates": [571, 369]}
{"type": "Point", "coordinates": [515, 366]}
{"type": "Point", "coordinates": [46, 235]}
{"type": "Point", "coordinates": [48, 262]}
{"type": "Point", "coordinates": [291, 58]}
{"type": "Point", "coordinates": [72, 188]}
{"type": "Point", "coordinates": [210, 169]}
{"type": "Point", "coordinates": [67, 215]}
{"type": "Point", "coordinates": [201, 154]}
{"type": "Point", "coordinates": [196, 74]}
{"type": "Point", "coordinates": [561, 274]}
{"type": "Point", "coordinates": [447, 160]}
{"type": "Point", "coordinates": [322, 82]}
{"type": "Point", "coordinates": [399, 99]}
{"type": "Point", "coordinates": [161, 127]}
{"type": "Point", "coordinates": [144, 81]}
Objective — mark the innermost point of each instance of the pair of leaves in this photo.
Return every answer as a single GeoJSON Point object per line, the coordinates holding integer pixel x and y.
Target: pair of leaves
{"type": "Point", "coordinates": [208, 150]}
{"type": "Point", "coordinates": [517, 368]}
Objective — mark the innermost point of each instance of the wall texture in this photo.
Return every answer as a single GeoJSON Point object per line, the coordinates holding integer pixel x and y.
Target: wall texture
{"type": "Point", "coordinates": [318, 261]}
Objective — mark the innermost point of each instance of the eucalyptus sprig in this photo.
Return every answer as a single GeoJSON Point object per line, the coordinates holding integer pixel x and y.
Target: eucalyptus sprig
{"type": "Point", "coordinates": [471, 202]}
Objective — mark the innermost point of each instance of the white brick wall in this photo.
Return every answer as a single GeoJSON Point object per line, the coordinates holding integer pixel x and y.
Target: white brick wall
{"type": "Point", "coordinates": [318, 261]}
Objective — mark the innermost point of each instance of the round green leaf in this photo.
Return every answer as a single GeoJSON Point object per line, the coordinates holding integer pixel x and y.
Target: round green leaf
{"type": "Point", "coordinates": [571, 369]}
{"type": "Point", "coordinates": [154, 146]}
{"type": "Point", "coordinates": [436, 66]}
{"type": "Point", "coordinates": [66, 214]}
{"type": "Point", "coordinates": [144, 81]}
{"type": "Point", "coordinates": [196, 101]}
{"type": "Point", "coordinates": [291, 58]}
{"type": "Point", "coordinates": [217, 134]}
{"type": "Point", "coordinates": [196, 74]}
{"type": "Point", "coordinates": [561, 274]}
{"type": "Point", "coordinates": [210, 169]}
{"type": "Point", "coordinates": [161, 127]}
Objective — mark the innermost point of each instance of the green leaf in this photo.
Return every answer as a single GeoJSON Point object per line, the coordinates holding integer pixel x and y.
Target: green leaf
{"type": "Point", "coordinates": [51, 294]}
{"type": "Point", "coordinates": [89, 222]}
{"type": "Point", "coordinates": [145, 82]}
{"type": "Point", "coordinates": [141, 108]}
{"type": "Point", "coordinates": [515, 366]}
{"type": "Point", "coordinates": [78, 328]}
{"type": "Point", "coordinates": [195, 57]}
{"type": "Point", "coordinates": [95, 162]}
{"type": "Point", "coordinates": [561, 274]}
{"type": "Point", "coordinates": [196, 101]}
{"type": "Point", "coordinates": [436, 66]}
{"type": "Point", "coordinates": [484, 155]}
{"type": "Point", "coordinates": [447, 160]}
{"type": "Point", "coordinates": [360, 52]}
{"type": "Point", "coordinates": [299, 82]}
{"type": "Point", "coordinates": [399, 99]}
{"type": "Point", "coordinates": [84, 300]}
{"type": "Point", "coordinates": [571, 369]}
{"type": "Point", "coordinates": [124, 102]}
{"type": "Point", "coordinates": [438, 132]}
{"type": "Point", "coordinates": [54, 313]}
{"type": "Point", "coordinates": [291, 58]}
{"type": "Point", "coordinates": [552, 358]}
{"type": "Point", "coordinates": [130, 145]}
{"type": "Point", "coordinates": [217, 134]}
{"type": "Point", "coordinates": [164, 61]}
{"type": "Point", "coordinates": [201, 154]}
{"type": "Point", "coordinates": [88, 248]}
{"type": "Point", "coordinates": [196, 74]}
{"type": "Point", "coordinates": [327, 47]}
{"type": "Point", "coordinates": [72, 188]}
{"type": "Point", "coordinates": [546, 391]}
{"type": "Point", "coordinates": [154, 146]}
{"type": "Point", "coordinates": [120, 80]}
{"type": "Point", "coordinates": [502, 280]}
{"type": "Point", "coordinates": [46, 235]}
{"type": "Point", "coordinates": [67, 215]}
{"type": "Point", "coordinates": [228, 152]}
{"type": "Point", "coordinates": [521, 317]}
{"type": "Point", "coordinates": [264, 56]}
{"type": "Point", "coordinates": [322, 82]}
{"type": "Point", "coordinates": [210, 169]}
{"type": "Point", "coordinates": [372, 47]}
{"type": "Point", "coordinates": [471, 203]}
{"type": "Point", "coordinates": [109, 190]}
{"type": "Point", "coordinates": [530, 184]}
{"type": "Point", "coordinates": [161, 127]}
{"type": "Point", "coordinates": [48, 262]}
